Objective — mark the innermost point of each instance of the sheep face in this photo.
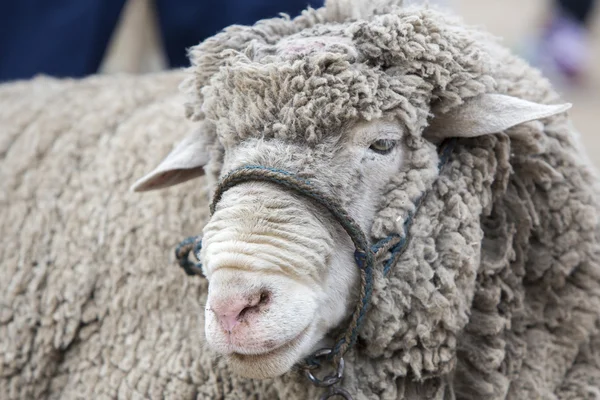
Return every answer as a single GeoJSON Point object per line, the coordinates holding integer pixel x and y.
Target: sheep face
{"type": "Point", "coordinates": [281, 271]}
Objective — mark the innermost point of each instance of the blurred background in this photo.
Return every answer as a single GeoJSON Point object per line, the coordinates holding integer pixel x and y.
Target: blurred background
{"type": "Point", "coordinates": [75, 38]}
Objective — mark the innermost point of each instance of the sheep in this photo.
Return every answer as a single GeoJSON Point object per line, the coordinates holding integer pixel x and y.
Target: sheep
{"type": "Point", "coordinates": [495, 295]}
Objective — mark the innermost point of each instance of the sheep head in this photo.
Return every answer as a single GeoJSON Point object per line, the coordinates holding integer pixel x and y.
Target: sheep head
{"type": "Point", "coordinates": [344, 106]}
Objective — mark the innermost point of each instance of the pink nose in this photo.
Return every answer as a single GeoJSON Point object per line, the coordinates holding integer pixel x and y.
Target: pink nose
{"type": "Point", "coordinates": [230, 311]}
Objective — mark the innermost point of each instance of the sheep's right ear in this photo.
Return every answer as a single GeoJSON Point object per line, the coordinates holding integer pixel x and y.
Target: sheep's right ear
{"type": "Point", "coordinates": [487, 114]}
{"type": "Point", "coordinates": [185, 162]}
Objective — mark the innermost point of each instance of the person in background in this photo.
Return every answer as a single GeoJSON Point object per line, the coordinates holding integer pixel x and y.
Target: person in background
{"type": "Point", "coordinates": [69, 38]}
{"type": "Point", "coordinates": [563, 47]}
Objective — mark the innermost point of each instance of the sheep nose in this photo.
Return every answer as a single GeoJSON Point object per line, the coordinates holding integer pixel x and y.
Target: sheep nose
{"type": "Point", "coordinates": [231, 311]}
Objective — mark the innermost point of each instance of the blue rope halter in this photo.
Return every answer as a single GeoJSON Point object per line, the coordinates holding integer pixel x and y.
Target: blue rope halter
{"type": "Point", "coordinates": [364, 255]}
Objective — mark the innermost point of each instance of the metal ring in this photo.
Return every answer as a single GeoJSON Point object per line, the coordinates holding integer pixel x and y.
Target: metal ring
{"type": "Point", "coordinates": [336, 391]}
{"type": "Point", "coordinates": [328, 380]}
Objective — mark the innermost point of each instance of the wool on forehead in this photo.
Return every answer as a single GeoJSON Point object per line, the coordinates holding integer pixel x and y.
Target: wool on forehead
{"type": "Point", "coordinates": [304, 99]}
{"type": "Point", "coordinates": [306, 80]}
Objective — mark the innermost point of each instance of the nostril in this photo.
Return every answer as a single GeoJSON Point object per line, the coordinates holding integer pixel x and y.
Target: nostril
{"type": "Point", "coordinates": [255, 304]}
{"type": "Point", "coordinates": [245, 311]}
{"type": "Point", "coordinates": [264, 298]}
{"type": "Point", "coordinates": [230, 312]}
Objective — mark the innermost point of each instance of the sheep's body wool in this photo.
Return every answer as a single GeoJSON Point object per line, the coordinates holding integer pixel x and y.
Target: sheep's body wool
{"type": "Point", "coordinates": [497, 295]}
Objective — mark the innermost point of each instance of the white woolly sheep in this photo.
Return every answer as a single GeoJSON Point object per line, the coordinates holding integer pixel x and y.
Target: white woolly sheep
{"type": "Point", "coordinates": [496, 294]}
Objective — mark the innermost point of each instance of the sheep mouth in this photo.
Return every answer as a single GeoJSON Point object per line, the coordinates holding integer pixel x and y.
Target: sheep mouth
{"type": "Point", "coordinates": [284, 348]}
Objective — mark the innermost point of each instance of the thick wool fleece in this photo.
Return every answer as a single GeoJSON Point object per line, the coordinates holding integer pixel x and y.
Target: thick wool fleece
{"type": "Point", "coordinates": [496, 297]}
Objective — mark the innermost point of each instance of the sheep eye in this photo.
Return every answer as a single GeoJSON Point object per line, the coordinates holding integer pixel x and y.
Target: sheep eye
{"type": "Point", "coordinates": [383, 146]}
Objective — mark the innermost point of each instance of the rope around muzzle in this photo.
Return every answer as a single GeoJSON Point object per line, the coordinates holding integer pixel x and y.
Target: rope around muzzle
{"type": "Point", "coordinates": [387, 250]}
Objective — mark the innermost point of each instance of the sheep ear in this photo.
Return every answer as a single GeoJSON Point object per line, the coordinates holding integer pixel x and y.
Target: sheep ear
{"type": "Point", "coordinates": [186, 161]}
{"type": "Point", "coordinates": [488, 113]}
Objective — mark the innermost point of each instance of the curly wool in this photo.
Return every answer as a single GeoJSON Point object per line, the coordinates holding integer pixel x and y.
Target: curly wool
{"type": "Point", "coordinates": [397, 64]}
{"type": "Point", "coordinates": [496, 297]}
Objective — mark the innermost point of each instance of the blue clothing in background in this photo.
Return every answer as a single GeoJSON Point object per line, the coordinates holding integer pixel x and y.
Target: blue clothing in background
{"type": "Point", "coordinates": [55, 37]}
{"type": "Point", "coordinates": [68, 38]}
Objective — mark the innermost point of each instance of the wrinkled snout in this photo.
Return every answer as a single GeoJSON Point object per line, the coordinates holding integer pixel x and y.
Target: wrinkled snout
{"type": "Point", "coordinates": [266, 257]}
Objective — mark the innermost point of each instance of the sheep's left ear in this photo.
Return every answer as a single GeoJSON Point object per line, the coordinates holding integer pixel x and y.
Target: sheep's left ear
{"type": "Point", "coordinates": [488, 113]}
{"type": "Point", "coordinates": [185, 162]}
